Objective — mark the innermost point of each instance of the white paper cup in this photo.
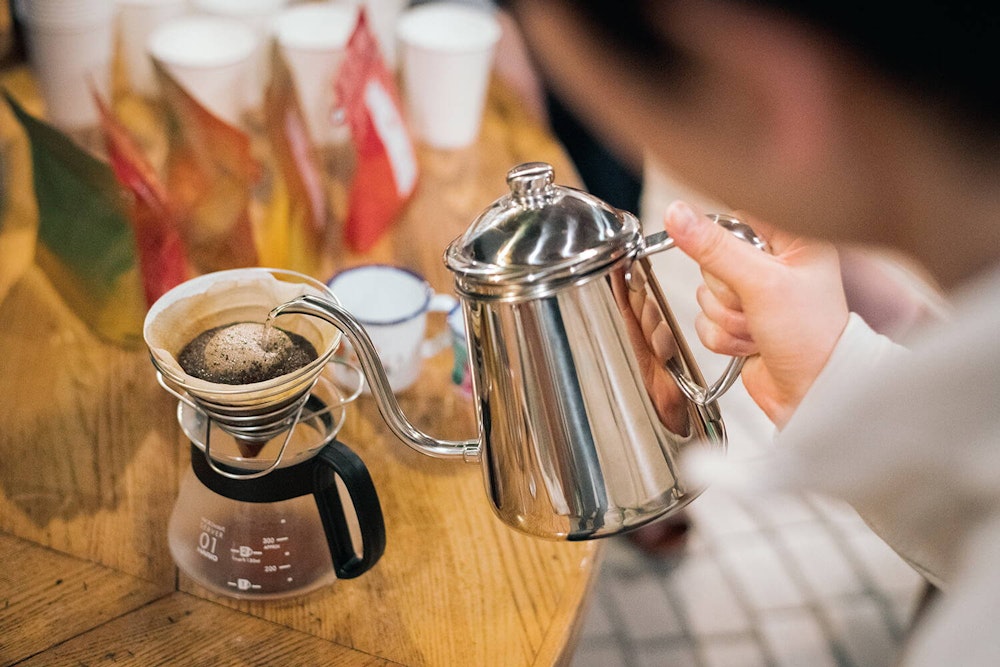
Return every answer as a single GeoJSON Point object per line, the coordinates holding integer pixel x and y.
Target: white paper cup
{"type": "Point", "coordinates": [447, 56]}
{"type": "Point", "coordinates": [136, 21]}
{"type": "Point", "coordinates": [259, 16]}
{"type": "Point", "coordinates": [382, 18]}
{"type": "Point", "coordinates": [312, 39]}
{"type": "Point", "coordinates": [392, 303]}
{"type": "Point", "coordinates": [70, 45]}
{"type": "Point", "coordinates": [67, 14]}
{"type": "Point", "coordinates": [210, 57]}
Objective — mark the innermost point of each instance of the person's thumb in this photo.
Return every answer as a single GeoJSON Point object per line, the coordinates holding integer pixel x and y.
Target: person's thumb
{"type": "Point", "coordinates": [716, 250]}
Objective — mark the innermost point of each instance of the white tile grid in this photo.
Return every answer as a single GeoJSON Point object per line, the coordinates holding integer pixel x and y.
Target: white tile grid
{"type": "Point", "coordinates": [798, 583]}
{"type": "Point", "coordinates": [737, 652]}
{"type": "Point", "coordinates": [711, 606]}
{"type": "Point", "coordinates": [797, 638]}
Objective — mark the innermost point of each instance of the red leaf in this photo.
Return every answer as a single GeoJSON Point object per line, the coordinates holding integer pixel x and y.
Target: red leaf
{"type": "Point", "coordinates": [162, 256]}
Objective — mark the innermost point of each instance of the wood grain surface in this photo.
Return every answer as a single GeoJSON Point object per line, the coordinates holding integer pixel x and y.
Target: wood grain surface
{"type": "Point", "coordinates": [91, 455]}
{"type": "Point", "coordinates": [47, 597]}
{"type": "Point", "coordinates": [181, 629]}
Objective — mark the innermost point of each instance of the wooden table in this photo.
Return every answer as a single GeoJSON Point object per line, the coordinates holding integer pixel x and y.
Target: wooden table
{"type": "Point", "coordinates": [91, 454]}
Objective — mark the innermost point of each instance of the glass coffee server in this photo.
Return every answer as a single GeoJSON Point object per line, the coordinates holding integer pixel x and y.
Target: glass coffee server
{"type": "Point", "coordinates": [273, 504]}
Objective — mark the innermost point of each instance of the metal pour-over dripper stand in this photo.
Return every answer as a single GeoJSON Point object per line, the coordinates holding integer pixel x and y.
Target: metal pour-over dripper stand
{"type": "Point", "coordinates": [252, 432]}
{"type": "Point", "coordinates": [255, 413]}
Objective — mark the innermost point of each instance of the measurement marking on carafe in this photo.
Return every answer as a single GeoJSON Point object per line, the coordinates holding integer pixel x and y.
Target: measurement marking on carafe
{"type": "Point", "coordinates": [286, 566]}
{"type": "Point", "coordinates": [273, 543]}
{"type": "Point", "coordinates": [243, 584]}
{"type": "Point", "coordinates": [245, 551]}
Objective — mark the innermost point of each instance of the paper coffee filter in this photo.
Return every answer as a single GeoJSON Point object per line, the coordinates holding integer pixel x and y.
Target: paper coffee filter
{"type": "Point", "coordinates": [224, 297]}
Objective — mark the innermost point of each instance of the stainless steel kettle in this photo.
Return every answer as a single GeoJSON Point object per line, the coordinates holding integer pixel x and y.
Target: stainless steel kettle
{"type": "Point", "coordinates": [585, 391]}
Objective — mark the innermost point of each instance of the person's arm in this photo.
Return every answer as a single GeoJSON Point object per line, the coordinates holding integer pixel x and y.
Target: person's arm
{"type": "Point", "coordinates": [891, 293]}
{"type": "Point", "coordinates": [810, 354]}
{"type": "Point", "coordinates": [513, 66]}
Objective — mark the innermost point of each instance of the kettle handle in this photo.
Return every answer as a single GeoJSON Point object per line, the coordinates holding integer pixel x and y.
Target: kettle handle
{"type": "Point", "coordinates": [337, 460]}
{"type": "Point", "coordinates": [661, 241]}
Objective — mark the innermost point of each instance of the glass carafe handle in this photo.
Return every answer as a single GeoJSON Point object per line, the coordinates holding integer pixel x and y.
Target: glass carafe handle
{"type": "Point", "coordinates": [336, 460]}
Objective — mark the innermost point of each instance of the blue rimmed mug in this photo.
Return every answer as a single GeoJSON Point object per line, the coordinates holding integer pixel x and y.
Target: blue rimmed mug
{"type": "Point", "coordinates": [392, 304]}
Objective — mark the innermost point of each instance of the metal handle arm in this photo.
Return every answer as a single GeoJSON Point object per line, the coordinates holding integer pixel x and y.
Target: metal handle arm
{"type": "Point", "coordinates": [694, 391]}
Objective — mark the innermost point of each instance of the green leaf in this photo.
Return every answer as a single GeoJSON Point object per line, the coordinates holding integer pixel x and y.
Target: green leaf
{"type": "Point", "coordinates": [82, 213]}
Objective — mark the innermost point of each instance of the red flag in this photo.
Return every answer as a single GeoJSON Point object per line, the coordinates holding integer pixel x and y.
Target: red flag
{"type": "Point", "coordinates": [386, 172]}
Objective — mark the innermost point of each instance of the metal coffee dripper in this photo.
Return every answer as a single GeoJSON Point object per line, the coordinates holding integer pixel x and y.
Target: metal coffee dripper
{"type": "Point", "coordinates": [259, 513]}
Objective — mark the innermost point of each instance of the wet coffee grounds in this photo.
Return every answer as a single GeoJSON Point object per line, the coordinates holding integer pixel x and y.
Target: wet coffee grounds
{"type": "Point", "coordinates": [237, 353]}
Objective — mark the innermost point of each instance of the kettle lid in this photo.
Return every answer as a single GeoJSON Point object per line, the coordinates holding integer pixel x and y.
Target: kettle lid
{"type": "Point", "coordinates": [538, 237]}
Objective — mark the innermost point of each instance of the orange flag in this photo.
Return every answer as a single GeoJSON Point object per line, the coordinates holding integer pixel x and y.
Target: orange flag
{"type": "Point", "coordinates": [386, 172]}
{"type": "Point", "coordinates": [293, 233]}
{"type": "Point", "coordinates": [211, 173]}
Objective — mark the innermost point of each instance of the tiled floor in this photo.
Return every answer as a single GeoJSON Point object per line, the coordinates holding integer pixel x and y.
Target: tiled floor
{"type": "Point", "coordinates": [776, 582]}
{"type": "Point", "coordinates": [801, 583]}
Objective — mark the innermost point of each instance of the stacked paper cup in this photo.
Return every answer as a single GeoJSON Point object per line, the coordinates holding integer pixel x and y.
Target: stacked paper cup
{"type": "Point", "coordinates": [137, 19]}
{"type": "Point", "coordinates": [70, 45]}
{"type": "Point", "coordinates": [447, 56]}
{"type": "Point", "coordinates": [382, 17]}
{"type": "Point", "coordinates": [210, 57]}
{"type": "Point", "coordinates": [312, 38]}
{"type": "Point", "coordinates": [258, 15]}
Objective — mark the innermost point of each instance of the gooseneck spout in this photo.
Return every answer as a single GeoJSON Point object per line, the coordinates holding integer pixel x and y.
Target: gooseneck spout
{"type": "Point", "coordinates": [371, 366]}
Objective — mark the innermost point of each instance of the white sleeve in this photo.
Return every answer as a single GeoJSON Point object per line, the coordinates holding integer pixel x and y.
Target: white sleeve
{"type": "Point", "coordinates": [859, 350]}
{"type": "Point", "coordinates": [827, 446]}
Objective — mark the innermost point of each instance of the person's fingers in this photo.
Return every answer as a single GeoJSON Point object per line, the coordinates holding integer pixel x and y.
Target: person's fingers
{"type": "Point", "coordinates": [717, 251]}
{"type": "Point", "coordinates": [662, 342]}
{"type": "Point", "coordinates": [732, 321]}
{"type": "Point", "coordinates": [716, 339]}
{"type": "Point", "coordinates": [726, 296]}
{"type": "Point", "coordinates": [651, 318]}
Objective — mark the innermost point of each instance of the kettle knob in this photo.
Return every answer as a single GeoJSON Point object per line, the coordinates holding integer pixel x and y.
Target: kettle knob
{"type": "Point", "coordinates": [531, 182]}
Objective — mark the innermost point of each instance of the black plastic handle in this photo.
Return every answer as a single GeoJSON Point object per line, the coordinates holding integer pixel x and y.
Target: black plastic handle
{"type": "Point", "coordinates": [336, 460]}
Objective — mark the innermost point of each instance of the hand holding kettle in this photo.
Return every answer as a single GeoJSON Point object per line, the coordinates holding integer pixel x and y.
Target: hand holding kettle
{"type": "Point", "coordinates": [787, 309]}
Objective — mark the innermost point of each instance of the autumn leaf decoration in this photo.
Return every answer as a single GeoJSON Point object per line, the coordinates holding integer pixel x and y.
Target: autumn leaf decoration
{"type": "Point", "coordinates": [210, 173]}
{"type": "Point", "coordinates": [293, 232]}
{"type": "Point", "coordinates": [162, 256]}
